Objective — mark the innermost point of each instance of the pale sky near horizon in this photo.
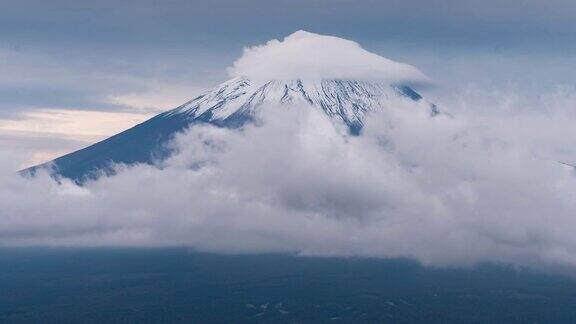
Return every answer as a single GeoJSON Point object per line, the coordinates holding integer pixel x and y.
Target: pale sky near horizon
{"type": "Point", "coordinates": [74, 72]}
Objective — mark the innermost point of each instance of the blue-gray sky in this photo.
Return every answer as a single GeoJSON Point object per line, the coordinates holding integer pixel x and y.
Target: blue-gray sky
{"type": "Point", "coordinates": [138, 57]}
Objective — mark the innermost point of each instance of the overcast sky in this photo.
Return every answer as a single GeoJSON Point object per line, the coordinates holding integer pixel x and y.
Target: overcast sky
{"type": "Point", "coordinates": [73, 72]}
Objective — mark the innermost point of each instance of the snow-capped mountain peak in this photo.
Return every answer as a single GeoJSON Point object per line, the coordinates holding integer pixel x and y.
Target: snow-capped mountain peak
{"type": "Point", "coordinates": [327, 73]}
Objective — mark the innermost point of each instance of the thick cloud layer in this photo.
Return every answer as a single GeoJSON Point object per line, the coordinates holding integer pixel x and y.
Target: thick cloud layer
{"type": "Point", "coordinates": [311, 56]}
{"type": "Point", "coordinates": [446, 191]}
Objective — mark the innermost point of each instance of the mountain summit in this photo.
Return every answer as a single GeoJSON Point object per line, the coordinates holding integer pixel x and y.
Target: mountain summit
{"type": "Point", "coordinates": [234, 103]}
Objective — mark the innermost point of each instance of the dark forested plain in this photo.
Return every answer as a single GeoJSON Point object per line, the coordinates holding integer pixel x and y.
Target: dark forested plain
{"type": "Point", "coordinates": [179, 285]}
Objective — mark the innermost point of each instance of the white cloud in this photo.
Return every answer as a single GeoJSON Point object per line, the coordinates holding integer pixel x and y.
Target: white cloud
{"type": "Point", "coordinates": [445, 190]}
{"type": "Point", "coordinates": [307, 55]}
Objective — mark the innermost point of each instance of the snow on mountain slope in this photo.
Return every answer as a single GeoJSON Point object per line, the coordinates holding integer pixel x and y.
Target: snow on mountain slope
{"type": "Point", "coordinates": [344, 101]}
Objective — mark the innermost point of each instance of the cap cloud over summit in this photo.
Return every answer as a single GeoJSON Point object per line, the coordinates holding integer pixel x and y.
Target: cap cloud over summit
{"type": "Point", "coordinates": [305, 55]}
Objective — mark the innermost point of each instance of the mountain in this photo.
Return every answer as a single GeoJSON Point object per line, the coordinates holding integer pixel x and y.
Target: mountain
{"type": "Point", "coordinates": [231, 104]}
